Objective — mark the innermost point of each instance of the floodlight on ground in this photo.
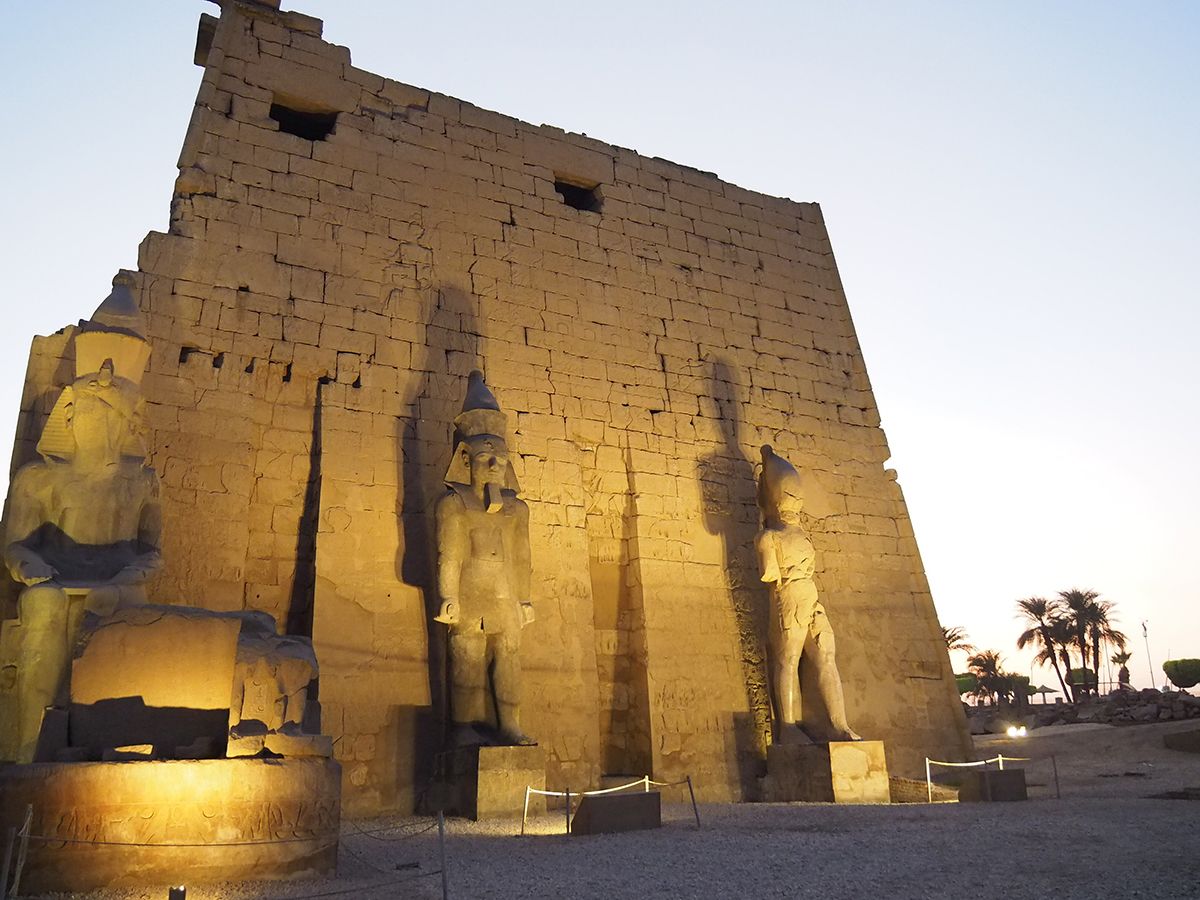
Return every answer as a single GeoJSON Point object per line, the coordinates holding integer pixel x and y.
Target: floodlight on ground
{"type": "Point", "coordinates": [1017, 731]}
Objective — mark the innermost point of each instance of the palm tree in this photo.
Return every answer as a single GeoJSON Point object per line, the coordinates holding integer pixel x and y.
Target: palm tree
{"type": "Point", "coordinates": [985, 665]}
{"type": "Point", "coordinates": [1080, 612]}
{"type": "Point", "coordinates": [955, 637]}
{"type": "Point", "coordinates": [1102, 633]}
{"type": "Point", "coordinates": [1042, 614]}
{"type": "Point", "coordinates": [1060, 633]}
{"type": "Point", "coordinates": [1121, 659]}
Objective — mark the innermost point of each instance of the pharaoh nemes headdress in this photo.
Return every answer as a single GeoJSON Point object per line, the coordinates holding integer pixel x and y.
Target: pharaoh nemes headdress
{"type": "Point", "coordinates": [481, 418]}
{"type": "Point", "coordinates": [110, 348]}
{"type": "Point", "coordinates": [778, 477]}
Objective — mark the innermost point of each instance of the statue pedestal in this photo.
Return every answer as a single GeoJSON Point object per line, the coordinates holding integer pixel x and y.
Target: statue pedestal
{"type": "Point", "coordinates": [155, 822]}
{"type": "Point", "coordinates": [837, 772]}
{"type": "Point", "coordinates": [490, 782]}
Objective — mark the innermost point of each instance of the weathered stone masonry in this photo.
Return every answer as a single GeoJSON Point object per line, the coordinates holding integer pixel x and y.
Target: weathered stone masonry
{"type": "Point", "coordinates": [343, 250]}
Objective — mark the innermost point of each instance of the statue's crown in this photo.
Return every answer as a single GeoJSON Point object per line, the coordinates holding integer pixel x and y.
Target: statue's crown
{"type": "Point", "coordinates": [116, 331]}
{"type": "Point", "coordinates": [481, 414]}
{"type": "Point", "coordinates": [777, 473]}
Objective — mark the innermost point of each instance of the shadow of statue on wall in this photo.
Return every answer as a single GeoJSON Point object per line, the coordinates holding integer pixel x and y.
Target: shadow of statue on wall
{"type": "Point", "coordinates": [728, 493]}
{"type": "Point", "coordinates": [445, 350]}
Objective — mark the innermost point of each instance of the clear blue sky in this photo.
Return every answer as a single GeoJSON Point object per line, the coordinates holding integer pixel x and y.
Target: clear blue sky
{"type": "Point", "coordinates": [1012, 189]}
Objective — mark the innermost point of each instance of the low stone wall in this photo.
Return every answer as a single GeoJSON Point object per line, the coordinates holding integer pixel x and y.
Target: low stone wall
{"type": "Point", "coordinates": [126, 824]}
{"type": "Point", "coordinates": [1117, 708]}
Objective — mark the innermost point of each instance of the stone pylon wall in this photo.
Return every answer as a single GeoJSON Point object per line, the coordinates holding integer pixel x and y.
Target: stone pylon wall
{"type": "Point", "coordinates": [315, 308]}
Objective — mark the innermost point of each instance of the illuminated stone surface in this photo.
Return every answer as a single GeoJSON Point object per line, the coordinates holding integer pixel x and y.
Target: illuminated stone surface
{"type": "Point", "coordinates": [315, 308]}
{"type": "Point", "coordinates": [157, 675]}
{"type": "Point", "coordinates": [83, 525]}
{"type": "Point", "coordinates": [490, 782]}
{"type": "Point", "coordinates": [229, 820]}
{"type": "Point", "coordinates": [837, 772]}
{"type": "Point", "coordinates": [273, 678]}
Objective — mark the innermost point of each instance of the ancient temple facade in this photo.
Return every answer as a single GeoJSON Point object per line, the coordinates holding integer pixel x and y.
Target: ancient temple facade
{"type": "Point", "coordinates": [343, 250]}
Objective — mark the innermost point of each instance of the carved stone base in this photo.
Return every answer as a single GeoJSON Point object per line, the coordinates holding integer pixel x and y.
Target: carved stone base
{"type": "Point", "coordinates": [837, 772]}
{"type": "Point", "coordinates": [992, 786]}
{"type": "Point", "coordinates": [489, 782]}
{"type": "Point", "coordinates": [193, 822]}
{"type": "Point", "coordinates": [605, 813]}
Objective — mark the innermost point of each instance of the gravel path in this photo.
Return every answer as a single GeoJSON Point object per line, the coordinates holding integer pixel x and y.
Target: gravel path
{"type": "Point", "coordinates": [1102, 839]}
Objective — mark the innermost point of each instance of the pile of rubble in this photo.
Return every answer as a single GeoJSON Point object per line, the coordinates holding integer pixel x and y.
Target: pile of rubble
{"type": "Point", "coordinates": [1122, 707]}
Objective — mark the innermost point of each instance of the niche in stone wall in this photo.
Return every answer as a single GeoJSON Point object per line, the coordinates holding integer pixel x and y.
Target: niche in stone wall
{"type": "Point", "coordinates": [302, 119]}
{"type": "Point", "coordinates": [578, 193]}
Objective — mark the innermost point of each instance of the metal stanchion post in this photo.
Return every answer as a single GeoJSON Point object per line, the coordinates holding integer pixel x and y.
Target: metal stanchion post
{"type": "Point", "coordinates": [695, 809]}
{"type": "Point", "coordinates": [22, 850]}
{"type": "Point", "coordinates": [568, 811]}
{"type": "Point", "coordinates": [442, 847]}
{"type": "Point", "coordinates": [1057, 792]}
{"type": "Point", "coordinates": [525, 814]}
{"type": "Point", "coordinates": [8, 850]}
{"type": "Point", "coordinates": [928, 780]}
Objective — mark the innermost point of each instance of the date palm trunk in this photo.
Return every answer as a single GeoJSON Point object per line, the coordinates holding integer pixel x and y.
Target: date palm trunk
{"type": "Point", "coordinates": [1050, 648]}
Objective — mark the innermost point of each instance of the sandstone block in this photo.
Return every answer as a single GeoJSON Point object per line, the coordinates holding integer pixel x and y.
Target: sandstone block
{"type": "Point", "coordinates": [606, 813]}
{"type": "Point", "coordinates": [159, 675]}
{"type": "Point", "coordinates": [837, 772]}
{"type": "Point", "coordinates": [490, 782]}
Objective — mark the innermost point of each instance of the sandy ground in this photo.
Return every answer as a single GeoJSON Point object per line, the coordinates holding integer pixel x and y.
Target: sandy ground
{"type": "Point", "coordinates": [1103, 839]}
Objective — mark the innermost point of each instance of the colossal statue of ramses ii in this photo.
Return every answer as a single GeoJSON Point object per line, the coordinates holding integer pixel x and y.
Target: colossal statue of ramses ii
{"type": "Point", "coordinates": [798, 624]}
{"type": "Point", "coordinates": [483, 574]}
{"type": "Point", "coordinates": [84, 522]}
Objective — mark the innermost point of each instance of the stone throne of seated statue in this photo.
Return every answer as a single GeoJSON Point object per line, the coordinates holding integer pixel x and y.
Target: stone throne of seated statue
{"type": "Point", "coordinates": [84, 522]}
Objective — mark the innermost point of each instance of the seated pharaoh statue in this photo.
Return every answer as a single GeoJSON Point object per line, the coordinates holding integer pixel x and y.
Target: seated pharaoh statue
{"type": "Point", "coordinates": [798, 626]}
{"type": "Point", "coordinates": [483, 575]}
{"type": "Point", "coordinates": [83, 523]}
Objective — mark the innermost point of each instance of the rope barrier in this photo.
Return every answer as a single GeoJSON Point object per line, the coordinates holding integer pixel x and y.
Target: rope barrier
{"type": "Point", "coordinates": [641, 782]}
{"type": "Point", "coordinates": [365, 887]}
{"type": "Point", "coordinates": [644, 783]}
{"type": "Point", "coordinates": [374, 834]}
{"type": "Point", "coordinates": [999, 760]}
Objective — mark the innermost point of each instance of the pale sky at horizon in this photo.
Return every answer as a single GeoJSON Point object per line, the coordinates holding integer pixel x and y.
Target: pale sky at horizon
{"type": "Point", "coordinates": [1011, 190]}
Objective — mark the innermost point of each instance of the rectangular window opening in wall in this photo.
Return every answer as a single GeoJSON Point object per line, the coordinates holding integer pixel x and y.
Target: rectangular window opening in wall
{"type": "Point", "coordinates": [308, 124]}
{"type": "Point", "coordinates": [578, 194]}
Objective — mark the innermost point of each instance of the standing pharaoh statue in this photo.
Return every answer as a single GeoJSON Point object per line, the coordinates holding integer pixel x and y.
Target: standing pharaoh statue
{"type": "Point", "coordinates": [798, 624]}
{"type": "Point", "coordinates": [483, 573]}
{"type": "Point", "coordinates": [84, 523]}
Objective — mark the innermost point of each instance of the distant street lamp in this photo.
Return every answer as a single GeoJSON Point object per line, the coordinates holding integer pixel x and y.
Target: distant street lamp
{"type": "Point", "coordinates": [1146, 638]}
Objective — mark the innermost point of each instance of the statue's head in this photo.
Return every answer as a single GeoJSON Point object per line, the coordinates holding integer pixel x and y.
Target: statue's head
{"type": "Point", "coordinates": [779, 492]}
{"type": "Point", "coordinates": [480, 453]}
{"type": "Point", "coordinates": [100, 414]}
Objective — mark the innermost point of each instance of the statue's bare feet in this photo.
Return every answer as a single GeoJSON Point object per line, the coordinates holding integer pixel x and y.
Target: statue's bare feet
{"type": "Point", "coordinates": [847, 734]}
{"type": "Point", "coordinates": [518, 739]}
